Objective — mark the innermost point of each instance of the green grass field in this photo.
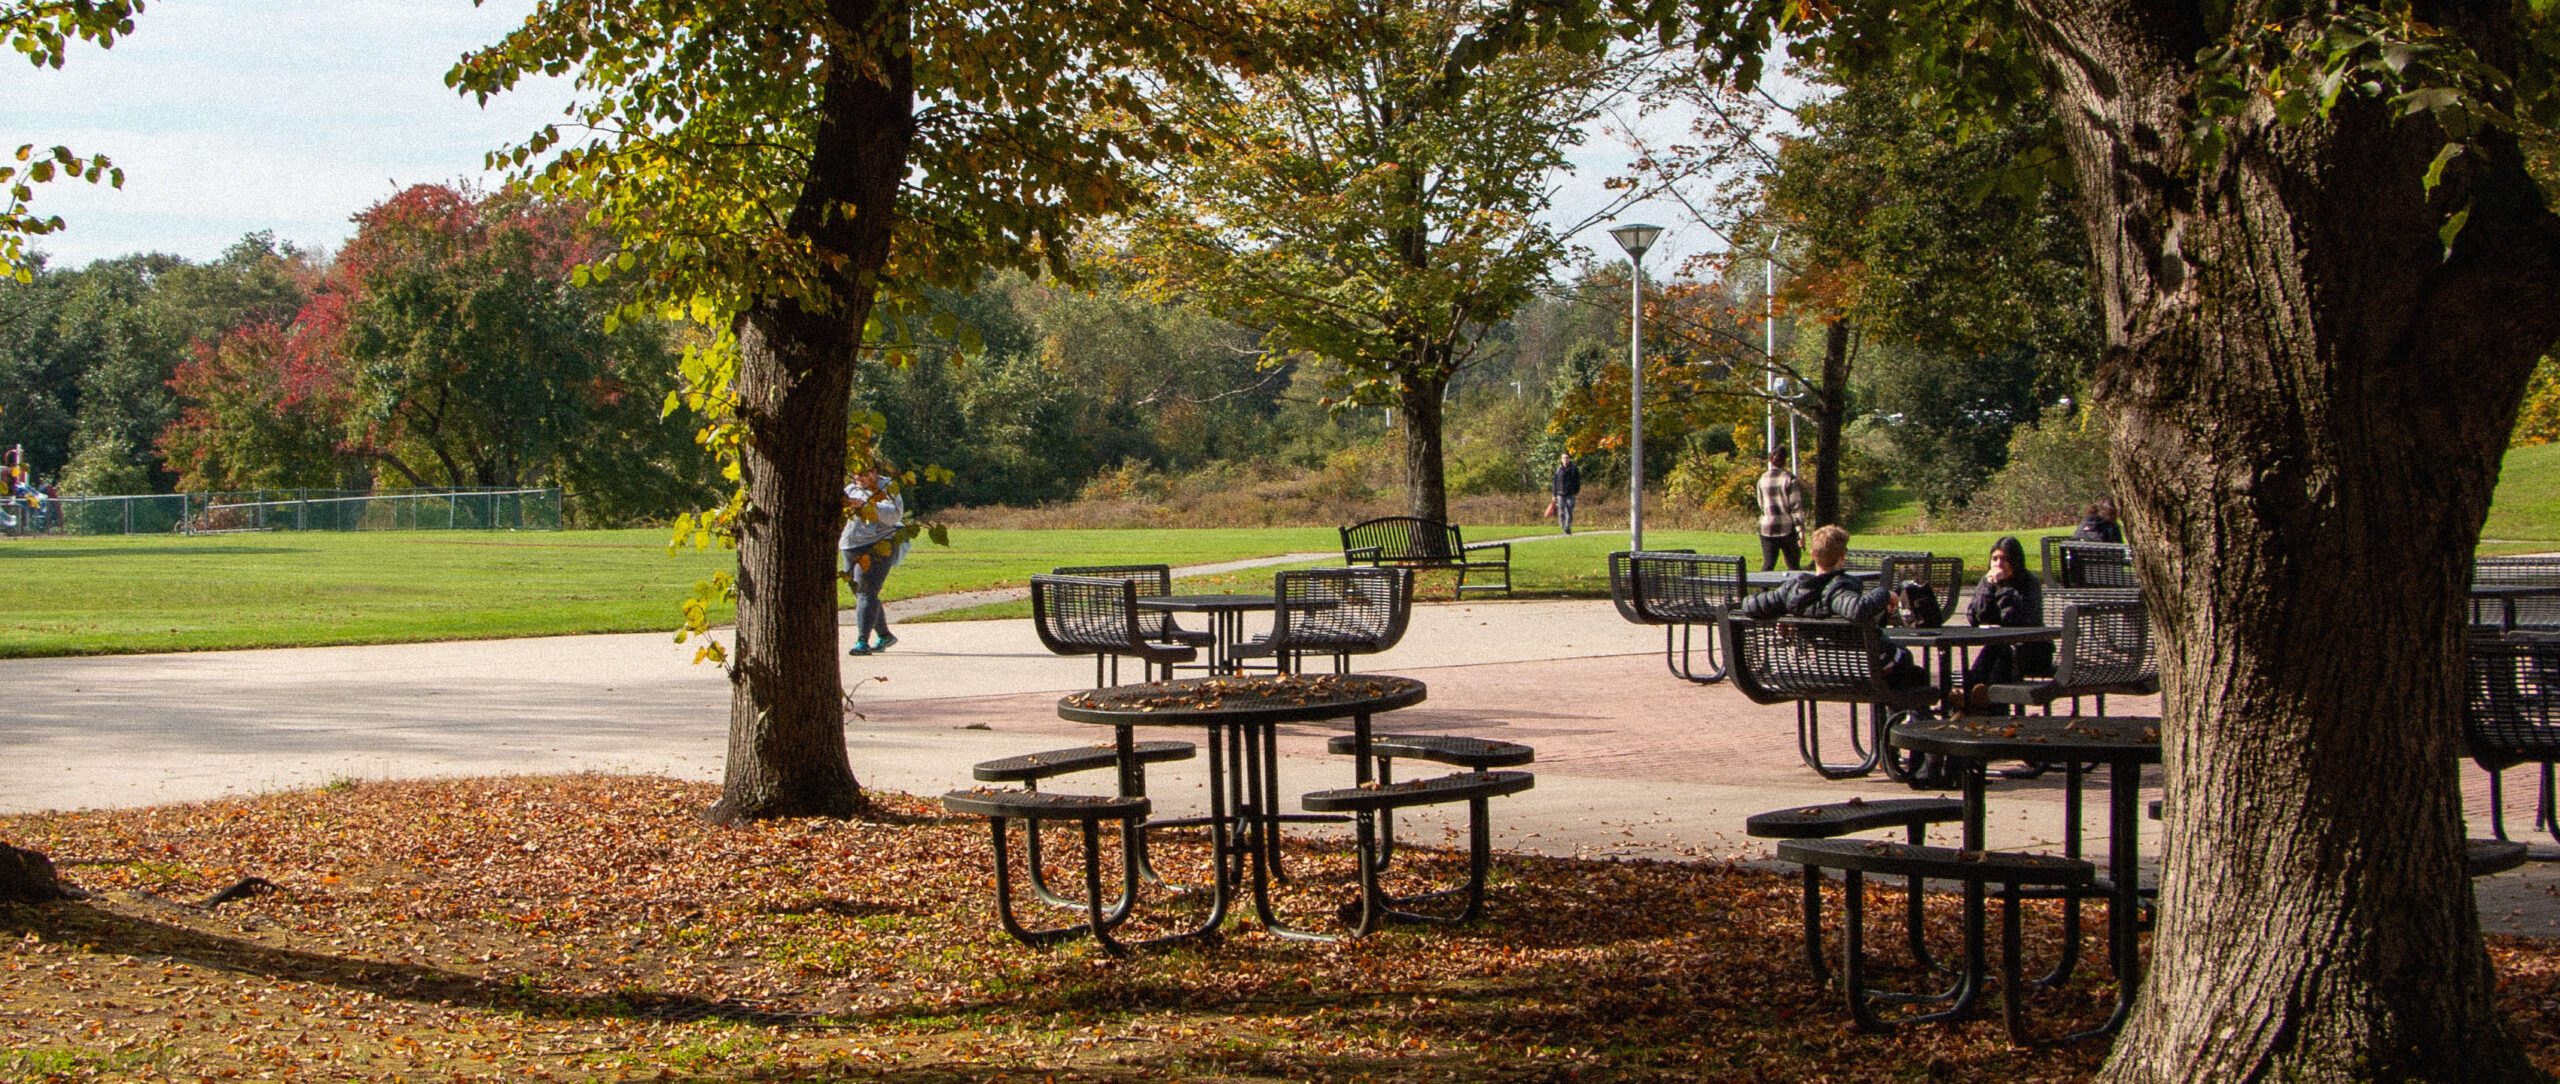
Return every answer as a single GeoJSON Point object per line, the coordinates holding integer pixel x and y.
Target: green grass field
{"type": "Point", "coordinates": [115, 595]}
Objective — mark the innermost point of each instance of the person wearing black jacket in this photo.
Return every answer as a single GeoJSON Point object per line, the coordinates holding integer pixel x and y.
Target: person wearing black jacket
{"type": "Point", "coordinates": [1567, 486]}
{"type": "Point", "coordinates": [1829, 592]}
{"type": "Point", "coordinates": [2009, 596]}
{"type": "Point", "coordinates": [2099, 525]}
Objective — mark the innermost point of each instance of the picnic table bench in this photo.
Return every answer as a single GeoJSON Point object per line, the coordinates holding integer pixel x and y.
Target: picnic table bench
{"type": "Point", "coordinates": [1426, 544]}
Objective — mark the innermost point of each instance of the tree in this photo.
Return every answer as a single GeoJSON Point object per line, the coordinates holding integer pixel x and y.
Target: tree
{"type": "Point", "coordinates": [2326, 276]}
{"type": "Point", "coordinates": [778, 171]}
{"type": "Point", "coordinates": [42, 31]}
{"type": "Point", "coordinates": [1378, 204]}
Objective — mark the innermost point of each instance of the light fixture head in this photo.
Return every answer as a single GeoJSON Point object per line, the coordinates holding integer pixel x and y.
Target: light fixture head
{"type": "Point", "coordinates": [1635, 237]}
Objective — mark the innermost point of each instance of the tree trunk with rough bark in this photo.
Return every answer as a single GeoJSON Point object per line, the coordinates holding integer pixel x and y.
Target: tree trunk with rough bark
{"type": "Point", "coordinates": [1830, 416]}
{"type": "Point", "coordinates": [1418, 392]}
{"type": "Point", "coordinates": [786, 715]}
{"type": "Point", "coordinates": [2311, 402]}
{"type": "Point", "coordinates": [27, 877]}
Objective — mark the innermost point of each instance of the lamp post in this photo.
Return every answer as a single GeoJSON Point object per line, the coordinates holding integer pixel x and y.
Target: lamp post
{"type": "Point", "coordinates": [1635, 237]}
{"type": "Point", "coordinates": [1769, 354]}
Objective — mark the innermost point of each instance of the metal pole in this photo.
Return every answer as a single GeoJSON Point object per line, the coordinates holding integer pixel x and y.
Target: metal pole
{"type": "Point", "coordinates": [1769, 347]}
{"type": "Point", "coordinates": [1635, 409]}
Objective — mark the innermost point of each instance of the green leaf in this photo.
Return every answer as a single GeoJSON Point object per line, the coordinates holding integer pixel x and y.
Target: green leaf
{"type": "Point", "coordinates": [2452, 228]}
{"type": "Point", "coordinates": [2435, 169]}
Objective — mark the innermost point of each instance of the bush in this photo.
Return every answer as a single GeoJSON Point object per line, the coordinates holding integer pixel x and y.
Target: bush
{"type": "Point", "coordinates": [2056, 467]}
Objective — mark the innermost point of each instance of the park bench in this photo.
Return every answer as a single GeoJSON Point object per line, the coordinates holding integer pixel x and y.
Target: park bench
{"type": "Point", "coordinates": [2015, 873]}
{"type": "Point", "coordinates": [1678, 590]}
{"type": "Point", "coordinates": [2106, 648]}
{"type": "Point", "coordinates": [1087, 812]}
{"type": "Point", "coordinates": [2540, 613]}
{"type": "Point", "coordinates": [1425, 545]}
{"type": "Point", "coordinates": [1375, 803]}
{"type": "Point", "coordinates": [1810, 662]}
{"type": "Point", "coordinates": [1832, 820]}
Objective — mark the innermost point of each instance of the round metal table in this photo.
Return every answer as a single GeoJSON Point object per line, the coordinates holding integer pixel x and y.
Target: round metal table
{"type": "Point", "coordinates": [1226, 620]}
{"type": "Point", "coordinates": [1241, 716]}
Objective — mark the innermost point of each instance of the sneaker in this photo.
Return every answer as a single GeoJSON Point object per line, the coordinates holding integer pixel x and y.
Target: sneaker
{"type": "Point", "coordinates": [858, 649]}
{"type": "Point", "coordinates": [884, 643]}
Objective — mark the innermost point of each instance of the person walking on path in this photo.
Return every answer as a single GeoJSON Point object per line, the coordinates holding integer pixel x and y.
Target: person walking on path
{"type": "Point", "coordinates": [863, 563]}
{"type": "Point", "coordinates": [1567, 486]}
{"type": "Point", "coordinates": [1781, 513]}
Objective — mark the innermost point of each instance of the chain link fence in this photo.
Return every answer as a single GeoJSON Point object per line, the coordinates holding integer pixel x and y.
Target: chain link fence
{"type": "Point", "coordinates": [458, 509]}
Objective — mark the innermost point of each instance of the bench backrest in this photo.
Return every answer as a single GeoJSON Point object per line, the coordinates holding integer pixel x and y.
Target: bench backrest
{"type": "Point", "coordinates": [2105, 643]}
{"type": "Point", "coordinates": [1799, 658]}
{"type": "Point", "coordinates": [2511, 702]}
{"type": "Point", "coordinates": [1087, 615]}
{"type": "Point", "coordinates": [1400, 538]}
{"type": "Point", "coordinates": [2531, 613]}
{"type": "Point", "coordinates": [1943, 576]}
{"type": "Point", "coordinates": [1665, 587]}
{"type": "Point", "coordinates": [2059, 600]}
{"type": "Point", "coordinates": [1622, 584]}
{"type": "Point", "coordinates": [2094, 564]}
{"type": "Point", "coordinates": [1873, 560]}
{"type": "Point", "coordinates": [1342, 609]}
{"type": "Point", "coordinates": [1153, 581]}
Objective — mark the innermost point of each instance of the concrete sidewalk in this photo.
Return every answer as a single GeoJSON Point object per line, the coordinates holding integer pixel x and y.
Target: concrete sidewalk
{"type": "Point", "coordinates": [1631, 761]}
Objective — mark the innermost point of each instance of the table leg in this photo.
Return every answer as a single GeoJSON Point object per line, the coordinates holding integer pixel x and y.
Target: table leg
{"type": "Point", "coordinates": [2124, 864]}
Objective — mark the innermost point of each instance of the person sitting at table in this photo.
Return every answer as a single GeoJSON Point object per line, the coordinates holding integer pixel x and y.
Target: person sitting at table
{"type": "Point", "coordinates": [2009, 596]}
{"type": "Point", "coordinates": [1828, 592]}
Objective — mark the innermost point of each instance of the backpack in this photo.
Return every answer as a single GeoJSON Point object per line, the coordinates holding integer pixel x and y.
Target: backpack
{"type": "Point", "coordinates": [1920, 605]}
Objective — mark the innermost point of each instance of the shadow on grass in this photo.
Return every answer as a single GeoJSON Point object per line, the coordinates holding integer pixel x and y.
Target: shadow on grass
{"type": "Point", "coordinates": [107, 932]}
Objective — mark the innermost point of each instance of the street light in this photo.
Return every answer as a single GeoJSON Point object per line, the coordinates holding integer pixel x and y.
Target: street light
{"type": "Point", "coordinates": [1635, 237]}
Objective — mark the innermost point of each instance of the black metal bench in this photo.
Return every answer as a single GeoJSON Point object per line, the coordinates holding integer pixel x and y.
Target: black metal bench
{"type": "Point", "coordinates": [1810, 662]}
{"type": "Point", "coordinates": [1678, 590]}
{"type": "Point", "coordinates": [1088, 812]}
{"type": "Point", "coordinates": [1369, 803]}
{"type": "Point", "coordinates": [1832, 820]}
{"type": "Point", "coordinates": [2511, 716]}
{"type": "Point", "coordinates": [2093, 564]}
{"type": "Point", "coordinates": [1030, 768]}
{"type": "Point", "coordinates": [2014, 872]}
{"type": "Point", "coordinates": [1425, 545]}
{"type": "Point", "coordinates": [1154, 581]}
{"type": "Point", "coordinates": [1099, 616]}
{"type": "Point", "coordinates": [2536, 613]}
{"type": "Point", "coordinates": [2106, 648]}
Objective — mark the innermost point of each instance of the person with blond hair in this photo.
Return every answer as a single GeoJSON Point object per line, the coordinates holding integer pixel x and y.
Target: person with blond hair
{"type": "Point", "coordinates": [1830, 592]}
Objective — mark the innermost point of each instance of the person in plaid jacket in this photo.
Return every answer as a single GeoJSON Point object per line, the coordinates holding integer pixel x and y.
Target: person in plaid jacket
{"type": "Point", "coordinates": [1781, 514]}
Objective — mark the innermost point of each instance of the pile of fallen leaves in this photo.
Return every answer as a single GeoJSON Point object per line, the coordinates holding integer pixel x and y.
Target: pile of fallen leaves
{"type": "Point", "coordinates": [594, 928]}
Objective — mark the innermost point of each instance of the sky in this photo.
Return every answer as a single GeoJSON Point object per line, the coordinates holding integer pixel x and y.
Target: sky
{"type": "Point", "coordinates": [235, 116]}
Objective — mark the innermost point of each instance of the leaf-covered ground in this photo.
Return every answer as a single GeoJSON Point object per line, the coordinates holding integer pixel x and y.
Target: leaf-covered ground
{"type": "Point", "coordinates": [593, 928]}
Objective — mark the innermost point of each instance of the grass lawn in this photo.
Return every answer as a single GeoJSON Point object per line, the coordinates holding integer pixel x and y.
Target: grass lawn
{"type": "Point", "coordinates": [2527, 507]}
{"type": "Point", "coordinates": [592, 928]}
{"type": "Point", "coordinates": [108, 595]}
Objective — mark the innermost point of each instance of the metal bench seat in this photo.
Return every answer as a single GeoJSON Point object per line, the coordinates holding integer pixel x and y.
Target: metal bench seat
{"type": "Point", "coordinates": [2012, 871]}
{"type": "Point", "coordinates": [2487, 857]}
{"type": "Point", "coordinates": [1087, 811]}
{"type": "Point", "coordinates": [1477, 753]}
{"type": "Point", "coordinates": [1810, 662]}
{"type": "Point", "coordinates": [1424, 544]}
{"type": "Point", "coordinates": [1678, 590]}
{"type": "Point", "coordinates": [1833, 819]}
{"type": "Point", "coordinates": [1032, 767]}
{"type": "Point", "coordinates": [1370, 804]}
{"type": "Point", "coordinates": [1855, 815]}
{"type": "Point", "coordinates": [2106, 648]}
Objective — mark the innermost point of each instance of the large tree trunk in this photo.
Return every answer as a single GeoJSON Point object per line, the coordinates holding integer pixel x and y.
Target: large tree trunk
{"type": "Point", "coordinates": [2311, 403]}
{"type": "Point", "coordinates": [1418, 392]}
{"type": "Point", "coordinates": [1830, 415]}
{"type": "Point", "coordinates": [786, 713]}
